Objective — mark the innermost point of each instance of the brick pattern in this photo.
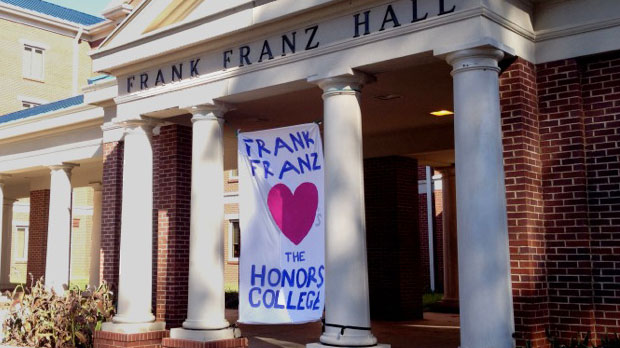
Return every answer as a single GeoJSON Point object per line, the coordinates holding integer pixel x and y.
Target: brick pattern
{"type": "Point", "coordinates": [600, 93]}
{"type": "Point", "coordinates": [523, 171]}
{"type": "Point", "coordinates": [112, 195]}
{"type": "Point", "coordinates": [37, 238]}
{"type": "Point", "coordinates": [105, 339]}
{"type": "Point", "coordinates": [230, 343]}
{"type": "Point", "coordinates": [172, 151]}
{"type": "Point", "coordinates": [58, 66]}
{"type": "Point", "coordinates": [392, 238]}
{"type": "Point", "coordinates": [569, 265]}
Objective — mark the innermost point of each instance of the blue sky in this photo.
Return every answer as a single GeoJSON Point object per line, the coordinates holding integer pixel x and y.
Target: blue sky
{"type": "Point", "coordinates": [93, 7]}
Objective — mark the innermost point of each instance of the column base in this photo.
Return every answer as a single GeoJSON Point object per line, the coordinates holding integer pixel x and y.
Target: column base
{"type": "Point", "coordinates": [320, 345]}
{"type": "Point", "coordinates": [228, 343]}
{"type": "Point", "coordinates": [130, 335]}
{"type": "Point", "coordinates": [205, 335]}
{"type": "Point", "coordinates": [123, 328]}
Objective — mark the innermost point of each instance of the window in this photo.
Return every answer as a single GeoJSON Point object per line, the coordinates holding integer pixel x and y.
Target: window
{"type": "Point", "coordinates": [34, 63]}
{"type": "Point", "coordinates": [234, 249]}
{"type": "Point", "coordinates": [233, 175]}
{"type": "Point", "coordinates": [21, 244]}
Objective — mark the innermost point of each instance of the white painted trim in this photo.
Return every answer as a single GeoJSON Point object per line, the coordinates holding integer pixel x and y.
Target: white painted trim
{"type": "Point", "coordinates": [24, 98]}
{"type": "Point", "coordinates": [73, 117]}
{"type": "Point", "coordinates": [231, 197]}
{"type": "Point", "coordinates": [430, 224]}
{"type": "Point", "coordinates": [82, 211]}
{"type": "Point", "coordinates": [42, 21]}
{"type": "Point", "coordinates": [35, 44]}
{"type": "Point", "coordinates": [230, 218]}
{"type": "Point", "coordinates": [26, 234]}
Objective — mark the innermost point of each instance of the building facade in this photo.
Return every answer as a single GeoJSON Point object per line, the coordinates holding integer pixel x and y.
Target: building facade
{"type": "Point", "coordinates": [529, 160]}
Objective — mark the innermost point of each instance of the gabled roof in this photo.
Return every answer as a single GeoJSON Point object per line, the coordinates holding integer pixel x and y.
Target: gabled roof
{"type": "Point", "coordinates": [55, 11]}
{"type": "Point", "coordinates": [42, 109]}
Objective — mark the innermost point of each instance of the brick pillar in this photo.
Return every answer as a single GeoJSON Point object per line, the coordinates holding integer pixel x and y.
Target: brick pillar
{"type": "Point", "coordinates": [569, 265]}
{"type": "Point", "coordinates": [172, 152]}
{"type": "Point", "coordinates": [111, 212]}
{"type": "Point", "coordinates": [391, 196]}
{"type": "Point", "coordinates": [37, 234]}
{"type": "Point", "coordinates": [523, 169]}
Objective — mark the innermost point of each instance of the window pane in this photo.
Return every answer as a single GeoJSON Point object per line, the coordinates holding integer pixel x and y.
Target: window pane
{"type": "Point", "coordinates": [20, 243]}
{"type": "Point", "coordinates": [27, 61]}
{"type": "Point", "coordinates": [236, 238]}
{"type": "Point", "coordinates": [37, 65]}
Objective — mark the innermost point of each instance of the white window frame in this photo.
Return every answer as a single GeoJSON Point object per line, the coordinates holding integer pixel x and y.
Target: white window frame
{"type": "Point", "coordinates": [232, 177]}
{"type": "Point", "coordinates": [26, 237]}
{"type": "Point", "coordinates": [231, 219]}
{"type": "Point", "coordinates": [34, 46]}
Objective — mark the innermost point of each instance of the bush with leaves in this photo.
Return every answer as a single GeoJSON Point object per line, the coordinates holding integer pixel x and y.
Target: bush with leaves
{"type": "Point", "coordinates": [41, 318]}
{"type": "Point", "coordinates": [609, 341]}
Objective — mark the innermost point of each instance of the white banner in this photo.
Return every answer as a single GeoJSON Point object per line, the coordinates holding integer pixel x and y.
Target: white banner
{"type": "Point", "coordinates": [281, 210]}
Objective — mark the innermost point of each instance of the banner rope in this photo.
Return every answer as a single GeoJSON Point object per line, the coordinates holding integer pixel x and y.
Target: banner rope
{"type": "Point", "coordinates": [342, 327]}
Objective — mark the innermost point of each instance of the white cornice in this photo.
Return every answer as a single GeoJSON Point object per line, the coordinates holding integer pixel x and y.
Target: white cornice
{"type": "Point", "coordinates": [46, 22]}
{"type": "Point", "coordinates": [61, 120]}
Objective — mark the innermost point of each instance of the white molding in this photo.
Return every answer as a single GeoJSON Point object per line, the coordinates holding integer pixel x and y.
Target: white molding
{"type": "Point", "coordinates": [34, 44]}
{"type": "Point", "coordinates": [70, 118]}
{"type": "Point", "coordinates": [56, 25]}
{"type": "Point", "coordinates": [229, 222]}
{"type": "Point", "coordinates": [550, 34]}
{"type": "Point", "coordinates": [25, 98]}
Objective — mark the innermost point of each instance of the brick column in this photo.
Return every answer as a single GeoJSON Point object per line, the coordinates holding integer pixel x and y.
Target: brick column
{"type": "Point", "coordinates": [565, 197]}
{"type": "Point", "coordinates": [391, 196]}
{"type": "Point", "coordinates": [37, 232]}
{"type": "Point", "coordinates": [111, 212]}
{"type": "Point", "coordinates": [523, 169]}
{"type": "Point", "coordinates": [171, 197]}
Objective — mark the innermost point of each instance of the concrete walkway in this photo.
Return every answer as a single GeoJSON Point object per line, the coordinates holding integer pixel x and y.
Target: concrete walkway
{"type": "Point", "coordinates": [436, 330]}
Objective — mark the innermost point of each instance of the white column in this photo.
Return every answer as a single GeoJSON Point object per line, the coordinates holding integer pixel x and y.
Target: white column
{"type": "Point", "coordinates": [95, 236]}
{"type": "Point", "coordinates": [136, 254]}
{"type": "Point", "coordinates": [346, 280]}
{"type": "Point", "coordinates": [57, 264]}
{"type": "Point", "coordinates": [484, 266]}
{"type": "Point", "coordinates": [6, 231]}
{"type": "Point", "coordinates": [205, 311]}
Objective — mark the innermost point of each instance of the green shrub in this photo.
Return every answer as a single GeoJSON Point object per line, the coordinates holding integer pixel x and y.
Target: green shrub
{"type": "Point", "coordinates": [40, 318]}
{"type": "Point", "coordinates": [610, 341]}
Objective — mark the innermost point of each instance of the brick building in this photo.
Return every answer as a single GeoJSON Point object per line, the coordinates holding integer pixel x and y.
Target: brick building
{"type": "Point", "coordinates": [527, 153]}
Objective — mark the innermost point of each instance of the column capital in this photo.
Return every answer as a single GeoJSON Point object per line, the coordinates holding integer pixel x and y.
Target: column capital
{"type": "Point", "coordinates": [138, 126]}
{"type": "Point", "coordinates": [3, 178]}
{"type": "Point", "coordinates": [212, 112]}
{"type": "Point", "coordinates": [481, 58]}
{"type": "Point", "coordinates": [67, 167]}
{"type": "Point", "coordinates": [342, 84]}
{"type": "Point", "coordinates": [8, 201]}
{"type": "Point", "coordinates": [96, 185]}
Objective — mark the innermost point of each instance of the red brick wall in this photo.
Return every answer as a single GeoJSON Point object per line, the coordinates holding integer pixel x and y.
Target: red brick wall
{"type": "Point", "coordinates": [523, 170]}
{"type": "Point", "coordinates": [600, 92]}
{"type": "Point", "coordinates": [396, 288]}
{"type": "Point", "coordinates": [172, 152]}
{"type": "Point", "coordinates": [569, 268]}
{"type": "Point", "coordinates": [561, 124]}
{"type": "Point", "coordinates": [112, 195]}
{"type": "Point", "coordinates": [37, 235]}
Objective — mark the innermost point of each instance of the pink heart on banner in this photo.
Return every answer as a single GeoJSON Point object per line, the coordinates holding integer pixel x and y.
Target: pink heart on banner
{"type": "Point", "coordinates": [294, 213]}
